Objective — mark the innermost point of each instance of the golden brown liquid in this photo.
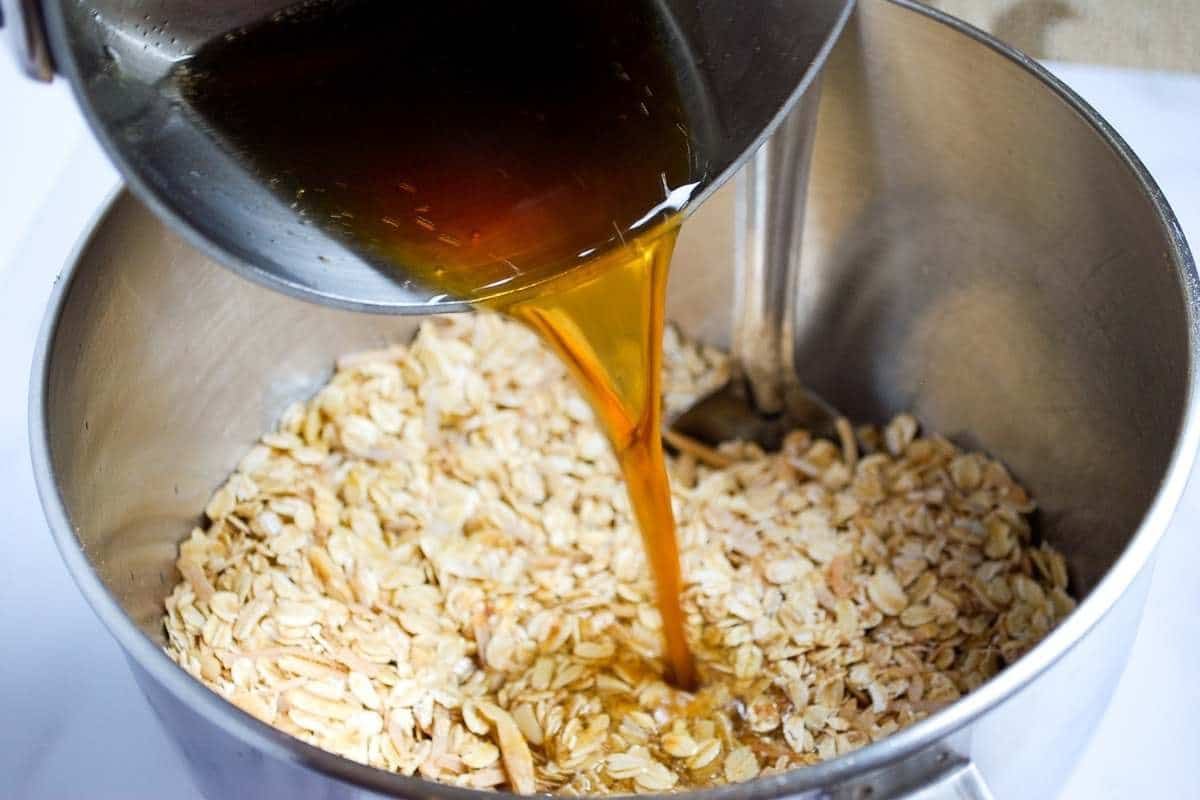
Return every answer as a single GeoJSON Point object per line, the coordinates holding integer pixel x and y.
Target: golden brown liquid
{"type": "Point", "coordinates": [608, 328]}
{"type": "Point", "coordinates": [528, 156]}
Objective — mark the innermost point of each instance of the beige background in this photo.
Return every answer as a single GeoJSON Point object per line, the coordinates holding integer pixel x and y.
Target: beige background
{"type": "Point", "coordinates": [1151, 34]}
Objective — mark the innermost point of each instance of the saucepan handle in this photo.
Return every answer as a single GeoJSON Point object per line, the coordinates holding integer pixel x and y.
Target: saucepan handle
{"type": "Point", "coordinates": [27, 35]}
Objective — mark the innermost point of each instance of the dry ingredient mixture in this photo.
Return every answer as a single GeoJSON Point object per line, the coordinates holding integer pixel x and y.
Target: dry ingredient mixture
{"type": "Point", "coordinates": [431, 568]}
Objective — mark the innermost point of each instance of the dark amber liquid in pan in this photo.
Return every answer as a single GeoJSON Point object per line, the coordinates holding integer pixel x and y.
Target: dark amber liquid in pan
{"type": "Point", "coordinates": [527, 156]}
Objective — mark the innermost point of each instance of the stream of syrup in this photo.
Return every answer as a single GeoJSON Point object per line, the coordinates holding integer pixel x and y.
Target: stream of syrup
{"type": "Point", "coordinates": [608, 328]}
{"type": "Point", "coordinates": [530, 157]}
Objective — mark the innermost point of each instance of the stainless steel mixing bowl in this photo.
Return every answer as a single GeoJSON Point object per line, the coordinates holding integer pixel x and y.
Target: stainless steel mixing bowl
{"type": "Point", "coordinates": [981, 248]}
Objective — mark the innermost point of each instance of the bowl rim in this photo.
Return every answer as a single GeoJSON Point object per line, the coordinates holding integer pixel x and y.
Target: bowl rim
{"type": "Point", "coordinates": [924, 734]}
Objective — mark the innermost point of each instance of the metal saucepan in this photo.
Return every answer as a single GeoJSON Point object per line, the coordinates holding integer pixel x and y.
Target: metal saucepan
{"type": "Point", "coordinates": [740, 70]}
{"type": "Point", "coordinates": [980, 248]}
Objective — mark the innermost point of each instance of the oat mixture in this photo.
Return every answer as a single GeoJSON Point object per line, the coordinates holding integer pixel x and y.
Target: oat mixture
{"type": "Point", "coordinates": [431, 567]}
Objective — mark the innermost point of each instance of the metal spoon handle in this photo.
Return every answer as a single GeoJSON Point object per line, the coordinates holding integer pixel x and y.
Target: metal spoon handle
{"type": "Point", "coordinates": [768, 227]}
